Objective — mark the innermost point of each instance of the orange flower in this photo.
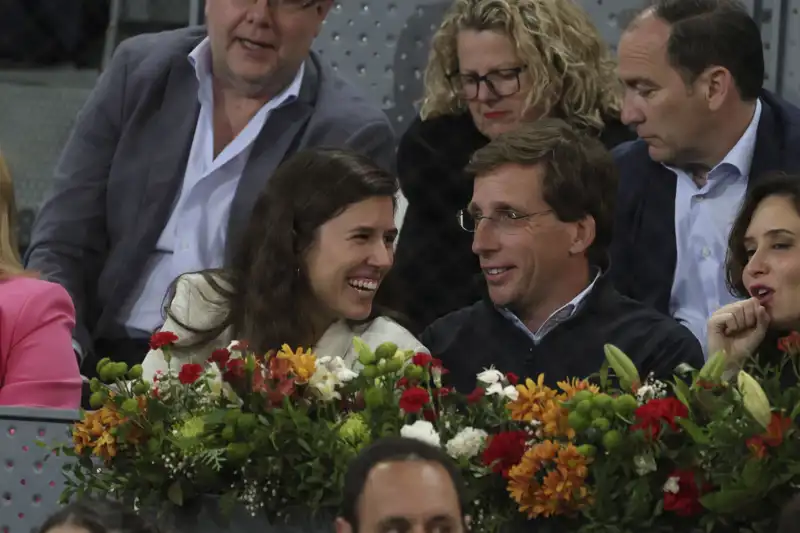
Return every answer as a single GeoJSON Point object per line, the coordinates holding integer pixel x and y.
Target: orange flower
{"type": "Point", "coordinates": [771, 438]}
{"type": "Point", "coordinates": [96, 431]}
{"type": "Point", "coordinates": [571, 388]}
{"type": "Point", "coordinates": [562, 471]}
{"type": "Point", "coordinates": [539, 403]}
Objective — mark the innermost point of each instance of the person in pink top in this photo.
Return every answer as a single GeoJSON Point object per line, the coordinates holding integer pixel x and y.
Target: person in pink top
{"type": "Point", "coordinates": [38, 367]}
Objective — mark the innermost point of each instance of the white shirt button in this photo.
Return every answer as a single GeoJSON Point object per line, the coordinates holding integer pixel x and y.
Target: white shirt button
{"type": "Point", "coordinates": [706, 251]}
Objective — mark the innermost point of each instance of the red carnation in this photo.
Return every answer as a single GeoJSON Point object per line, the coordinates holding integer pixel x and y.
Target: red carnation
{"type": "Point", "coordinates": [504, 451]}
{"type": "Point", "coordinates": [476, 395]}
{"type": "Point", "coordinates": [220, 357]}
{"type": "Point", "coordinates": [190, 373]}
{"type": "Point", "coordinates": [442, 392]}
{"type": "Point", "coordinates": [414, 399]}
{"type": "Point", "coordinates": [651, 415]}
{"type": "Point", "coordinates": [161, 339]}
{"type": "Point", "coordinates": [234, 368]}
{"type": "Point", "coordinates": [402, 383]}
{"type": "Point", "coordinates": [422, 359]}
{"type": "Point", "coordinates": [686, 501]}
{"type": "Point", "coordinates": [790, 344]}
{"type": "Point", "coordinates": [512, 378]}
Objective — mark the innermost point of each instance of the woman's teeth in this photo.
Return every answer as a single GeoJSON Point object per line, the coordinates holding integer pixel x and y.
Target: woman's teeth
{"type": "Point", "coordinates": [369, 285]}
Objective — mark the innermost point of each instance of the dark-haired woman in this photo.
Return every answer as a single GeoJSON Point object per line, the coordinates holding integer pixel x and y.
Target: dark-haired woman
{"type": "Point", "coordinates": [763, 268]}
{"type": "Point", "coordinates": [319, 243]}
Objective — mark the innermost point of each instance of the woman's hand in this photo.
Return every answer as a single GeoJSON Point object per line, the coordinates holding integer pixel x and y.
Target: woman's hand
{"type": "Point", "coordinates": [738, 329]}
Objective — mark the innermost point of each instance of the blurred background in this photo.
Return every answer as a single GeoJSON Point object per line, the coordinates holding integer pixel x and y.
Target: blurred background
{"type": "Point", "coordinates": [51, 52]}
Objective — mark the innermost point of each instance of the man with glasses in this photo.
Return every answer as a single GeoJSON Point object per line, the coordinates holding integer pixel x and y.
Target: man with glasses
{"type": "Point", "coordinates": [541, 218]}
{"type": "Point", "coordinates": [169, 153]}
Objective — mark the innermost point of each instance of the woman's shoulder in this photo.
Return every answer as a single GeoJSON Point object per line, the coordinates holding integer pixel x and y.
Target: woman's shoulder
{"type": "Point", "coordinates": [199, 299]}
{"type": "Point", "coordinates": [20, 291]}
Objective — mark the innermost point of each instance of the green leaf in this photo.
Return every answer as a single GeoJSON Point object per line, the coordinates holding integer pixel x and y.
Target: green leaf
{"type": "Point", "coordinates": [175, 494]}
{"type": "Point", "coordinates": [726, 501]}
{"type": "Point", "coordinates": [795, 411]}
{"type": "Point", "coordinates": [696, 432]}
{"type": "Point", "coordinates": [303, 444]}
{"type": "Point", "coordinates": [752, 472]}
{"type": "Point", "coordinates": [604, 375]}
{"type": "Point", "coordinates": [682, 392]}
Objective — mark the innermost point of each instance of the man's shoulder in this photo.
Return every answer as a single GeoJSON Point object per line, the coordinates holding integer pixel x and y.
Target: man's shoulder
{"type": "Point", "coordinates": [628, 314]}
{"type": "Point", "coordinates": [631, 153]}
{"type": "Point", "coordinates": [452, 324]}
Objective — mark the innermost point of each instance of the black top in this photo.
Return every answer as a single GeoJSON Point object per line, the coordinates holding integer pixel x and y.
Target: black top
{"type": "Point", "coordinates": [474, 338]}
{"type": "Point", "coordinates": [645, 208]}
{"type": "Point", "coordinates": [435, 271]}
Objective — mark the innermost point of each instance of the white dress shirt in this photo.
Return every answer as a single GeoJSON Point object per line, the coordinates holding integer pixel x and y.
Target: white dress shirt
{"type": "Point", "coordinates": [703, 219]}
{"type": "Point", "coordinates": [195, 234]}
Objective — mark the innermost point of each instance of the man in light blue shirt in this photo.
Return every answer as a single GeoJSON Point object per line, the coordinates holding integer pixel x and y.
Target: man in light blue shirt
{"type": "Point", "coordinates": [707, 130]}
{"type": "Point", "coordinates": [179, 136]}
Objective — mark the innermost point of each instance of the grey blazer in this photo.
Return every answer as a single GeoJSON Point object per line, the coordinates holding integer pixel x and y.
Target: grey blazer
{"type": "Point", "coordinates": [122, 167]}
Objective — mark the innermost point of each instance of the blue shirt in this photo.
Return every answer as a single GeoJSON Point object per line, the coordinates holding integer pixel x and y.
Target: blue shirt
{"type": "Point", "coordinates": [703, 219]}
{"type": "Point", "coordinates": [558, 316]}
{"type": "Point", "coordinates": [195, 234]}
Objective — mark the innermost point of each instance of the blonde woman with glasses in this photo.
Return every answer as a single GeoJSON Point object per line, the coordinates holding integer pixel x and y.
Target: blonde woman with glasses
{"type": "Point", "coordinates": [38, 367]}
{"type": "Point", "coordinates": [494, 64]}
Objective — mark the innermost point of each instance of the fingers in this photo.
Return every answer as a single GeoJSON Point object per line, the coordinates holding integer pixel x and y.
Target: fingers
{"type": "Point", "coordinates": [740, 316]}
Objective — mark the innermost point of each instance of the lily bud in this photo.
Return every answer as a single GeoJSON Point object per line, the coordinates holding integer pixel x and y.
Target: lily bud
{"type": "Point", "coordinates": [365, 355]}
{"type": "Point", "coordinates": [754, 399]}
{"type": "Point", "coordinates": [713, 369]}
{"type": "Point", "coordinates": [623, 367]}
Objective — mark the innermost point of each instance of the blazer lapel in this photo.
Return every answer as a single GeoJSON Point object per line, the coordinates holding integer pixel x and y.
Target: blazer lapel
{"type": "Point", "coordinates": [169, 133]}
{"type": "Point", "coordinates": [657, 238]}
{"type": "Point", "coordinates": [278, 139]}
{"type": "Point", "coordinates": [767, 155]}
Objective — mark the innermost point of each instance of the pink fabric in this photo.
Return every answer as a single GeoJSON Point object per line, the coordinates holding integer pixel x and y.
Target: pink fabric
{"type": "Point", "coordinates": [38, 367]}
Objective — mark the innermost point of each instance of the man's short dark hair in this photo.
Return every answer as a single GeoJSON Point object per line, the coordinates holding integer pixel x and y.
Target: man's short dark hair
{"type": "Point", "coordinates": [580, 177]}
{"type": "Point", "coordinates": [394, 450]}
{"type": "Point", "coordinates": [708, 33]}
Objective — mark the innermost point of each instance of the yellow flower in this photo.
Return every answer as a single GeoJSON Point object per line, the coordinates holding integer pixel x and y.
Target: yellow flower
{"type": "Point", "coordinates": [304, 363]}
{"type": "Point", "coordinates": [562, 489]}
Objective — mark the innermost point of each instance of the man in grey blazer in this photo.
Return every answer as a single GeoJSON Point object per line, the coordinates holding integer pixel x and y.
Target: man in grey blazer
{"type": "Point", "coordinates": [180, 134]}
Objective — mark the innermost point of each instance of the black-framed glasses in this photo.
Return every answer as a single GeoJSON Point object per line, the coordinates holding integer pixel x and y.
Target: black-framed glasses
{"type": "Point", "coordinates": [504, 219]}
{"type": "Point", "coordinates": [501, 83]}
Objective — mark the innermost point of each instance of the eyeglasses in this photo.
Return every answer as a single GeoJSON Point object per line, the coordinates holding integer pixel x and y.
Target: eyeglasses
{"type": "Point", "coordinates": [290, 6]}
{"type": "Point", "coordinates": [501, 83]}
{"type": "Point", "coordinates": [504, 220]}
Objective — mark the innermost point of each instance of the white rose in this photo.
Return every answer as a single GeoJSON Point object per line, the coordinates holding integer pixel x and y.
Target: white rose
{"type": "Point", "coordinates": [421, 430]}
{"type": "Point", "coordinates": [338, 367]}
{"type": "Point", "coordinates": [467, 443]}
{"type": "Point", "coordinates": [490, 376]}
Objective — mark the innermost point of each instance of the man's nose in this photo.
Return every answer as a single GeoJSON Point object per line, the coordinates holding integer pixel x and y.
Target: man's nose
{"type": "Point", "coordinates": [484, 239]}
{"type": "Point", "coordinates": [630, 113]}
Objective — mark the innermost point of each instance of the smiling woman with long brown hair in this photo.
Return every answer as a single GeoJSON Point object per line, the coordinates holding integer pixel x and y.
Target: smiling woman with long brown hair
{"type": "Point", "coordinates": [37, 364]}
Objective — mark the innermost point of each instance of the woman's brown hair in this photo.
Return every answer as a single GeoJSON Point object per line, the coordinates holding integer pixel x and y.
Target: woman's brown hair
{"type": "Point", "coordinates": [10, 263]}
{"type": "Point", "coordinates": [266, 290]}
{"type": "Point", "coordinates": [776, 184]}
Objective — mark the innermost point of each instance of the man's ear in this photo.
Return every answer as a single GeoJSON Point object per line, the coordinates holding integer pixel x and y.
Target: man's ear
{"type": "Point", "coordinates": [343, 526]}
{"type": "Point", "coordinates": [582, 236]}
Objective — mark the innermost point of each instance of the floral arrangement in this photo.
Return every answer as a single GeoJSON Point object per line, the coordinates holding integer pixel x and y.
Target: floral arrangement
{"type": "Point", "coordinates": [614, 454]}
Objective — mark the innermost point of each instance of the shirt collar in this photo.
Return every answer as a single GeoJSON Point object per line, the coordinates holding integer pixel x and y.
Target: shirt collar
{"type": "Point", "coordinates": [741, 155]}
{"type": "Point", "coordinates": [200, 59]}
{"type": "Point", "coordinates": [559, 316]}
